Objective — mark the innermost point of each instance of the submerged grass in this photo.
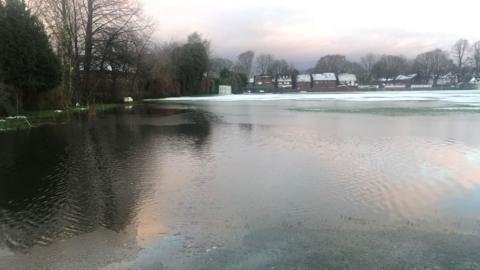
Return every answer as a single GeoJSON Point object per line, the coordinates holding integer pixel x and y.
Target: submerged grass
{"type": "Point", "coordinates": [52, 117]}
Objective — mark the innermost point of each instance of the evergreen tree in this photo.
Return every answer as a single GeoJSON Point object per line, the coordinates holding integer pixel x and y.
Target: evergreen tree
{"type": "Point", "coordinates": [192, 59]}
{"type": "Point", "coordinates": [237, 80]}
{"type": "Point", "coordinates": [27, 62]}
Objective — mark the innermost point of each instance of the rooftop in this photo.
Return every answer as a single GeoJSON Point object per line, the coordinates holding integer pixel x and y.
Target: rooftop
{"type": "Point", "coordinates": [324, 77]}
{"type": "Point", "coordinates": [347, 77]}
{"type": "Point", "coordinates": [304, 78]}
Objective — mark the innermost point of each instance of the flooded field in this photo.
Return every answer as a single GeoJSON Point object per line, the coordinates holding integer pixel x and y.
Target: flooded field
{"type": "Point", "coordinates": [386, 180]}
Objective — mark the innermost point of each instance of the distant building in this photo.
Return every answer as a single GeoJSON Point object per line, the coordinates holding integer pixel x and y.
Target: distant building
{"type": "Point", "coordinates": [473, 83]}
{"type": "Point", "coordinates": [347, 79]}
{"type": "Point", "coordinates": [475, 80]}
{"type": "Point", "coordinates": [250, 85]}
{"type": "Point", "coordinates": [263, 83]}
{"type": "Point", "coordinates": [284, 82]}
{"type": "Point", "coordinates": [324, 81]}
{"type": "Point", "coordinates": [251, 81]}
{"type": "Point", "coordinates": [304, 82]}
{"type": "Point", "coordinates": [405, 79]}
{"type": "Point", "coordinates": [225, 90]}
{"type": "Point", "coordinates": [399, 82]}
{"type": "Point", "coordinates": [446, 80]}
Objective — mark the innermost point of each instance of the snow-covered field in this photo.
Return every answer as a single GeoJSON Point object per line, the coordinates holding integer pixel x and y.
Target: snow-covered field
{"type": "Point", "coordinates": [470, 97]}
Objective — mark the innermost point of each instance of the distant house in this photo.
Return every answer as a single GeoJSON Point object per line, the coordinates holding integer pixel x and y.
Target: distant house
{"type": "Point", "coordinates": [284, 82]}
{"type": "Point", "coordinates": [399, 82]}
{"type": "Point", "coordinates": [324, 81]}
{"type": "Point", "coordinates": [475, 80]}
{"type": "Point", "coordinates": [304, 82]}
{"type": "Point", "coordinates": [446, 80]}
{"type": "Point", "coordinates": [251, 81]}
{"type": "Point", "coordinates": [405, 79]}
{"type": "Point", "coordinates": [474, 83]}
{"type": "Point", "coordinates": [263, 83]}
{"type": "Point", "coordinates": [250, 85]}
{"type": "Point", "coordinates": [347, 79]}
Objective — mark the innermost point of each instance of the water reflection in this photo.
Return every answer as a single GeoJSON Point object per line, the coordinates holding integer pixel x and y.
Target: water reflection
{"type": "Point", "coordinates": [179, 180]}
{"type": "Point", "coordinates": [57, 182]}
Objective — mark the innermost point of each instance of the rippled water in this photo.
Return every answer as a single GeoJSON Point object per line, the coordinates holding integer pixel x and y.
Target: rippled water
{"type": "Point", "coordinates": [285, 183]}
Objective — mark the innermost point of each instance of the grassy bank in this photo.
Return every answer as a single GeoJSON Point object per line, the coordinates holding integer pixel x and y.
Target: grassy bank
{"type": "Point", "coordinates": [31, 119]}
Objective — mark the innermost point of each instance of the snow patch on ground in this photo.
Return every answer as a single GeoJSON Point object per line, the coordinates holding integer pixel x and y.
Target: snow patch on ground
{"type": "Point", "coordinates": [471, 97]}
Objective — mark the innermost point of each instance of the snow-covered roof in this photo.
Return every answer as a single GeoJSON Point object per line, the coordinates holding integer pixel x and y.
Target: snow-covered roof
{"type": "Point", "coordinates": [304, 78]}
{"type": "Point", "coordinates": [263, 77]}
{"type": "Point", "coordinates": [347, 77]}
{"type": "Point", "coordinates": [406, 77]}
{"type": "Point", "coordinates": [324, 77]}
{"type": "Point", "coordinates": [475, 80]}
{"type": "Point", "coordinates": [284, 78]}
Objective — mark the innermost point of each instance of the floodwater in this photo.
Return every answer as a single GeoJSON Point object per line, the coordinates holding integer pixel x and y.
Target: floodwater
{"type": "Point", "coordinates": [315, 181]}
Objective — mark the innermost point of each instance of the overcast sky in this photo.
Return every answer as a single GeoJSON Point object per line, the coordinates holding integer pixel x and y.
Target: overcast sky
{"type": "Point", "coordinates": [301, 31]}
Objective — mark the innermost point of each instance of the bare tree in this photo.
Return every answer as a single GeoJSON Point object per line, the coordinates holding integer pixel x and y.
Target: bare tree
{"type": "Point", "coordinates": [245, 62]}
{"type": "Point", "coordinates": [84, 33]}
{"type": "Point", "coordinates": [476, 57]}
{"type": "Point", "coordinates": [62, 21]}
{"type": "Point", "coordinates": [218, 64]}
{"type": "Point", "coordinates": [264, 63]}
{"type": "Point", "coordinates": [104, 22]}
{"type": "Point", "coordinates": [281, 67]}
{"type": "Point", "coordinates": [459, 53]}
{"type": "Point", "coordinates": [331, 63]}
{"type": "Point", "coordinates": [432, 64]}
{"type": "Point", "coordinates": [390, 66]}
{"type": "Point", "coordinates": [368, 63]}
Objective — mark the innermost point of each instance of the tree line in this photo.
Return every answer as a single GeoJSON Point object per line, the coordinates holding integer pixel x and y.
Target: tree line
{"type": "Point", "coordinates": [462, 62]}
{"type": "Point", "coordinates": [58, 53]}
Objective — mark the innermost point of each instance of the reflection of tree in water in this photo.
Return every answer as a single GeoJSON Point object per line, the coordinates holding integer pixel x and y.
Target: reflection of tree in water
{"type": "Point", "coordinates": [58, 182]}
{"type": "Point", "coordinates": [27, 187]}
{"type": "Point", "coordinates": [62, 181]}
{"type": "Point", "coordinates": [200, 129]}
{"type": "Point", "coordinates": [196, 128]}
{"type": "Point", "coordinates": [104, 181]}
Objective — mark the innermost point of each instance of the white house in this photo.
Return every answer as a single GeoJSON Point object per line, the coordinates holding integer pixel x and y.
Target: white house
{"type": "Point", "coordinates": [284, 82]}
{"type": "Point", "coordinates": [347, 79]}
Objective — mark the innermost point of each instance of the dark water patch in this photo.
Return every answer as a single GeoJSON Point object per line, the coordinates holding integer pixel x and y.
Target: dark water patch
{"type": "Point", "coordinates": [61, 181]}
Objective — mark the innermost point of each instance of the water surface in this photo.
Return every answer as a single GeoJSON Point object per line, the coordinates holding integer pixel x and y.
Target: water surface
{"type": "Point", "coordinates": [326, 181]}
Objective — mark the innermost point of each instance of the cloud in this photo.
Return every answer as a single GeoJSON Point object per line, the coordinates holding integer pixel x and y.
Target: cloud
{"type": "Point", "coordinates": [301, 30]}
